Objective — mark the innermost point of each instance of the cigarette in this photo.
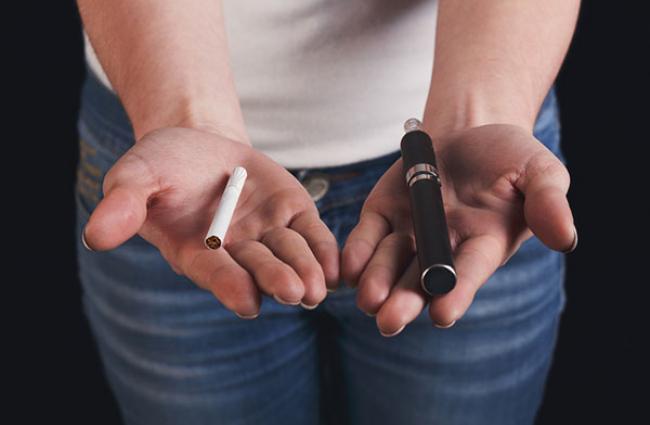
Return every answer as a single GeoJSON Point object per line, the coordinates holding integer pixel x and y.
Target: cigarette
{"type": "Point", "coordinates": [226, 208]}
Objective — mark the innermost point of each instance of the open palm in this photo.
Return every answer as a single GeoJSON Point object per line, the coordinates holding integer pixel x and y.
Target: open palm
{"type": "Point", "coordinates": [500, 186]}
{"type": "Point", "coordinates": [166, 189]}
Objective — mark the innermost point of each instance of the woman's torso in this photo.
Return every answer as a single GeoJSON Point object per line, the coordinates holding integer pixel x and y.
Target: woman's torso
{"type": "Point", "coordinates": [327, 82]}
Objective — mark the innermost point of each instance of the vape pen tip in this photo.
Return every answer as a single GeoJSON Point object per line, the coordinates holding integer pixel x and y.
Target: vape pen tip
{"type": "Point", "coordinates": [412, 124]}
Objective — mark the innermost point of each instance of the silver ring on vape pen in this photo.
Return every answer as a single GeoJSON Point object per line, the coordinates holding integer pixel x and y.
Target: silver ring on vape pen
{"type": "Point", "coordinates": [422, 167]}
{"type": "Point", "coordinates": [433, 266]}
{"type": "Point", "coordinates": [421, 176]}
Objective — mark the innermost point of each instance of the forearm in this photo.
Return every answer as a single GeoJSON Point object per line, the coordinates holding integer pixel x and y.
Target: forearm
{"type": "Point", "coordinates": [168, 62]}
{"type": "Point", "coordinates": [496, 60]}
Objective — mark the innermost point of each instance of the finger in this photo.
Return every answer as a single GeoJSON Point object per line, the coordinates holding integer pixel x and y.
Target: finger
{"type": "Point", "coordinates": [273, 276]}
{"type": "Point", "coordinates": [123, 210]}
{"type": "Point", "coordinates": [391, 257]}
{"type": "Point", "coordinates": [361, 244]}
{"type": "Point", "coordinates": [405, 302]}
{"type": "Point", "coordinates": [218, 272]}
{"type": "Point", "coordinates": [544, 183]}
{"type": "Point", "coordinates": [322, 244]}
{"type": "Point", "coordinates": [290, 247]}
{"type": "Point", "coordinates": [475, 261]}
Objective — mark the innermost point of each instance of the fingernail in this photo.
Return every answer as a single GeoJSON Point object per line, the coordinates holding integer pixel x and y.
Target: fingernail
{"type": "Point", "coordinates": [370, 314]}
{"type": "Point", "coordinates": [438, 325]}
{"type": "Point", "coordinates": [281, 301]}
{"type": "Point", "coordinates": [394, 333]}
{"type": "Point", "coordinates": [575, 241]}
{"type": "Point", "coordinates": [83, 240]}
{"type": "Point", "coordinates": [309, 307]}
{"type": "Point", "coordinates": [252, 316]}
{"type": "Point", "coordinates": [331, 290]}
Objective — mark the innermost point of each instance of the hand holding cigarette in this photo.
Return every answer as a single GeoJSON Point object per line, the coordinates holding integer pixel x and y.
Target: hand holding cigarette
{"type": "Point", "coordinates": [500, 186]}
{"type": "Point", "coordinates": [167, 188]}
{"type": "Point", "coordinates": [226, 208]}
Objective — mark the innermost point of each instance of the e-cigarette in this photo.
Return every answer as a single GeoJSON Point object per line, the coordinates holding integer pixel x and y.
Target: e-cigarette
{"type": "Point", "coordinates": [222, 216]}
{"type": "Point", "coordinates": [437, 273]}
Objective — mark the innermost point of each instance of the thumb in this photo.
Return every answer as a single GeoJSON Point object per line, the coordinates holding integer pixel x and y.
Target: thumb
{"type": "Point", "coordinates": [123, 209]}
{"type": "Point", "coordinates": [545, 183]}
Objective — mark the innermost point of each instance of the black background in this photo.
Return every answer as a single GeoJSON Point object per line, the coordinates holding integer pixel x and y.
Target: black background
{"type": "Point", "coordinates": [54, 367]}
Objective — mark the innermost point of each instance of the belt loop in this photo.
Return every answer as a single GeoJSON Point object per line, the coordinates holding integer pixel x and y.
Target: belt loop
{"type": "Point", "coordinates": [317, 185]}
{"type": "Point", "coordinates": [302, 173]}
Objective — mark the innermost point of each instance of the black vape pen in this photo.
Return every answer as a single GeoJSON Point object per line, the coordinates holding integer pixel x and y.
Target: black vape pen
{"type": "Point", "coordinates": [437, 273]}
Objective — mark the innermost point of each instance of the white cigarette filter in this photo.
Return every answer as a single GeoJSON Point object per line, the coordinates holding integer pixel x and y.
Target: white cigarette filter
{"type": "Point", "coordinates": [226, 208]}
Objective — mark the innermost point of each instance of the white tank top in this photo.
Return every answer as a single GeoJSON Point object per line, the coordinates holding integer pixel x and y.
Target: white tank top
{"type": "Point", "coordinates": [327, 82]}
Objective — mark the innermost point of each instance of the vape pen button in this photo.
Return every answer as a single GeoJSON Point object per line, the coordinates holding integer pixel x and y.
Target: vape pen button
{"type": "Point", "coordinates": [316, 185]}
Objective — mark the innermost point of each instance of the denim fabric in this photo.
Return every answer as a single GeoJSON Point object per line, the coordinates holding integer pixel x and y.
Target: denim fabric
{"type": "Point", "coordinates": [173, 354]}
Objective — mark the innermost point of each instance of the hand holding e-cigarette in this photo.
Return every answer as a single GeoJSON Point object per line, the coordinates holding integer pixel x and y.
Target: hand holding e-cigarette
{"type": "Point", "coordinates": [167, 188]}
{"type": "Point", "coordinates": [500, 186]}
{"type": "Point", "coordinates": [421, 175]}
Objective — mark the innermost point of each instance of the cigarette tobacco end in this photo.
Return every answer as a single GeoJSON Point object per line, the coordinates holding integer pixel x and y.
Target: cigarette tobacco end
{"type": "Point", "coordinates": [213, 242]}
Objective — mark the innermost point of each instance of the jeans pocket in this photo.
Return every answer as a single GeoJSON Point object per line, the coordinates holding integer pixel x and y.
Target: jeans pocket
{"type": "Point", "coordinates": [94, 162]}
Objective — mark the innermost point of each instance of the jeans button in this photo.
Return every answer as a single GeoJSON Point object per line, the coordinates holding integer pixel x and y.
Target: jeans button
{"type": "Point", "coordinates": [317, 185]}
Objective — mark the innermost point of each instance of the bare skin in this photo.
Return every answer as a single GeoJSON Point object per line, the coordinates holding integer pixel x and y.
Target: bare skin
{"type": "Point", "coordinates": [500, 185]}
{"type": "Point", "coordinates": [494, 63]}
{"type": "Point", "coordinates": [190, 134]}
{"type": "Point", "coordinates": [166, 188]}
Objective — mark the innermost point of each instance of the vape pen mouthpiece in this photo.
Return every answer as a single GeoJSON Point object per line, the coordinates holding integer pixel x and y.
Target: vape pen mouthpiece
{"type": "Point", "coordinates": [412, 124]}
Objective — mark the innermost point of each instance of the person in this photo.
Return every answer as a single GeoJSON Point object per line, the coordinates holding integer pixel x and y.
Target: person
{"type": "Point", "coordinates": [310, 97]}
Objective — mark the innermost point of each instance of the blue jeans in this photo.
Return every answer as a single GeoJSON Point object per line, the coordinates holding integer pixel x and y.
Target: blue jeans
{"type": "Point", "coordinates": [173, 354]}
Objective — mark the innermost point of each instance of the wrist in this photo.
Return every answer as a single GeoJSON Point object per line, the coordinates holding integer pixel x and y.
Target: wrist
{"type": "Point", "coordinates": [450, 110]}
{"type": "Point", "coordinates": [191, 114]}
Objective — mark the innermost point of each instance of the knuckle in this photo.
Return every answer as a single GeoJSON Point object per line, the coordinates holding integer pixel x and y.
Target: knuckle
{"type": "Point", "coordinates": [371, 300]}
{"type": "Point", "coordinates": [234, 247]}
{"type": "Point", "coordinates": [312, 273]}
{"type": "Point", "coordinates": [323, 246]}
{"type": "Point", "coordinates": [222, 275]}
{"type": "Point", "coordinates": [307, 222]}
{"type": "Point", "coordinates": [301, 263]}
{"type": "Point", "coordinates": [558, 171]}
{"type": "Point", "coordinates": [277, 270]}
{"type": "Point", "coordinates": [275, 235]}
{"type": "Point", "coordinates": [282, 206]}
{"type": "Point", "coordinates": [376, 271]}
{"type": "Point", "coordinates": [547, 165]}
{"type": "Point", "coordinates": [401, 241]}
